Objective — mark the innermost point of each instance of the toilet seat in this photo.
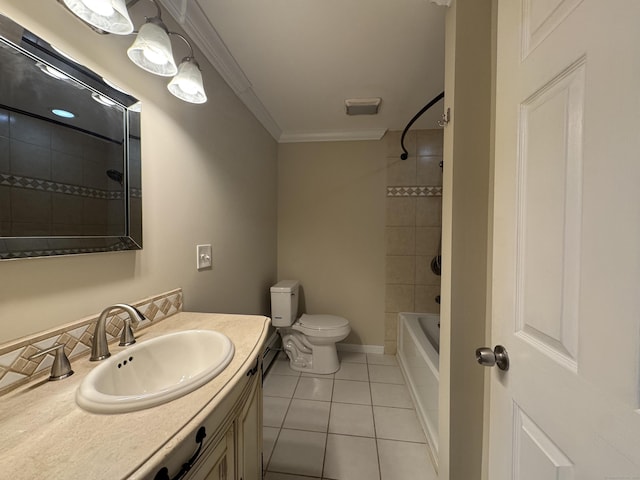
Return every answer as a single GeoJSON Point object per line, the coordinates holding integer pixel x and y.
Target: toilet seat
{"type": "Point", "coordinates": [322, 325]}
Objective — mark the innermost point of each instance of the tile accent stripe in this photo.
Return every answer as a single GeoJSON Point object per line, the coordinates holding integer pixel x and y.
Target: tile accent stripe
{"type": "Point", "coordinates": [16, 368]}
{"type": "Point", "coordinates": [29, 183]}
{"type": "Point", "coordinates": [415, 191]}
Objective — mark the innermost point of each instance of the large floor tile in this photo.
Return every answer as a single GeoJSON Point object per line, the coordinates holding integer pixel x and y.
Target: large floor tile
{"type": "Point", "coordinates": [308, 415]}
{"type": "Point", "coordinates": [388, 395]}
{"type": "Point", "coordinates": [404, 461]}
{"type": "Point", "coordinates": [299, 452]}
{"type": "Point", "coordinates": [379, 359]}
{"type": "Point", "coordinates": [273, 410]}
{"type": "Point", "coordinates": [312, 388]}
{"type": "Point", "coordinates": [351, 458]}
{"type": "Point", "coordinates": [349, 391]}
{"type": "Point", "coordinates": [349, 419]}
{"type": "Point", "coordinates": [282, 367]}
{"type": "Point", "coordinates": [352, 357]}
{"type": "Point", "coordinates": [353, 371]}
{"type": "Point", "coordinates": [385, 374]}
{"type": "Point", "coordinates": [280, 385]}
{"type": "Point", "coordinates": [269, 436]}
{"type": "Point", "coordinates": [398, 424]}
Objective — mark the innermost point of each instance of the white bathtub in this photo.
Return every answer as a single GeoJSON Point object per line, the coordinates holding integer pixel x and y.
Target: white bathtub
{"type": "Point", "coordinates": [418, 346]}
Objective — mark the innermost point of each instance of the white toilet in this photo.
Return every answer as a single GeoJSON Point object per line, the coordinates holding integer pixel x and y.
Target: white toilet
{"type": "Point", "coordinates": [310, 341]}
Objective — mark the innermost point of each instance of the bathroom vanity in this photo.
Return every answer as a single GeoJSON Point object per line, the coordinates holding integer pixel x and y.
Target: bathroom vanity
{"type": "Point", "coordinates": [218, 427]}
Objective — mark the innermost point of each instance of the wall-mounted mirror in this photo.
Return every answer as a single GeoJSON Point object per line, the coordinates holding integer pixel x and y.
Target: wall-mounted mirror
{"type": "Point", "coordinates": [69, 154]}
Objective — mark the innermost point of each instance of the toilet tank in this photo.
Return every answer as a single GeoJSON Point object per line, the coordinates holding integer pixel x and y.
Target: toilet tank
{"type": "Point", "coordinates": [284, 303]}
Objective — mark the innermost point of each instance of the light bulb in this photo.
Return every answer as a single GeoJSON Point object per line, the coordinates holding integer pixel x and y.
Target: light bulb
{"type": "Point", "coordinates": [101, 7]}
{"type": "Point", "coordinates": [154, 55]}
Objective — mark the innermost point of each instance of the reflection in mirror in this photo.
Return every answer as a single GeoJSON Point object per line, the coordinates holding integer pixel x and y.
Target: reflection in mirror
{"type": "Point", "coordinates": [69, 154]}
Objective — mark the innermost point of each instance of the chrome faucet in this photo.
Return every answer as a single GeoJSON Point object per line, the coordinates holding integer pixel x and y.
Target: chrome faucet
{"type": "Point", "coordinates": [99, 346]}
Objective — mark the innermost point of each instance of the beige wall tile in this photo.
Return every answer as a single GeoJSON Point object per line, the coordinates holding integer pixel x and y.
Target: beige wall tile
{"type": "Point", "coordinates": [390, 347]}
{"type": "Point", "coordinates": [425, 299]}
{"type": "Point", "coordinates": [400, 270]}
{"type": "Point", "coordinates": [427, 240]}
{"type": "Point", "coordinates": [392, 141]}
{"type": "Point", "coordinates": [429, 142]}
{"type": "Point", "coordinates": [424, 273]}
{"type": "Point", "coordinates": [401, 211]}
{"type": "Point", "coordinates": [30, 160]}
{"type": "Point", "coordinates": [5, 204]}
{"type": "Point", "coordinates": [399, 298]}
{"type": "Point", "coordinates": [30, 130]}
{"type": "Point", "coordinates": [401, 172]}
{"type": "Point", "coordinates": [4, 122]}
{"type": "Point", "coordinates": [30, 206]}
{"type": "Point", "coordinates": [5, 164]}
{"type": "Point", "coordinates": [428, 171]}
{"type": "Point", "coordinates": [429, 211]}
{"type": "Point", "coordinates": [401, 240]}
{"type": "Point", "coordinates": [391, 326]}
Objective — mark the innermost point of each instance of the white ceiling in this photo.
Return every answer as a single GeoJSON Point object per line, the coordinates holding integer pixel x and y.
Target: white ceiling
{"type": "Point", "coordinates": [294, 62]}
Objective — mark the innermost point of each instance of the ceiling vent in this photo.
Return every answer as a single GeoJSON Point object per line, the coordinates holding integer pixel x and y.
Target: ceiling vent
{"type": "Point", "coordinates": [362, 106]}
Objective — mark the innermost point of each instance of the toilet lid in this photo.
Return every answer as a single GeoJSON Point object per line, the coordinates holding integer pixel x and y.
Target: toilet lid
{"type": "Point", "coordinates": [322, 322]}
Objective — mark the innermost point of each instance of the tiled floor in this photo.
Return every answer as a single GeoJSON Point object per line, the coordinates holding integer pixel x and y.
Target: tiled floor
{"type": "Point", "coordinates": [357, 424]}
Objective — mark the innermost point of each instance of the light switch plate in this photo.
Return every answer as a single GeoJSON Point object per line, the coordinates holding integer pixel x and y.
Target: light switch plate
{"type": "Point", "coordinates": [203, 259]}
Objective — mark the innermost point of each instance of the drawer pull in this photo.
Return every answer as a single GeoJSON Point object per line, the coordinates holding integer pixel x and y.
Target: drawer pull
{"type": "Point", "coordinates": [163, 473]}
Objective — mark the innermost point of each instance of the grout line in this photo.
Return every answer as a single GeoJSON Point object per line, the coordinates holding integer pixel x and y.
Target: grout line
{"type": "Point", "coordinates": [326, 440]}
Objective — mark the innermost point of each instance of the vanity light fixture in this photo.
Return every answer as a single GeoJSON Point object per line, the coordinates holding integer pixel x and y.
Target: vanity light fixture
{"type": "Point", "coordinates": [102, 100]}
{"type": "Point", "coordinates": [109, 16]}
{"type": "Point", "coordinates": [187, 84]}
{"type": "Point", "coordinates": [52, 72]}
{"type": "Point", "coordinates": [151, 50]}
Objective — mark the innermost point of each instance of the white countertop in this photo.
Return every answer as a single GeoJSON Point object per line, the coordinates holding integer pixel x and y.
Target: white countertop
{"type": "Point", "coordinates": [44, 434]}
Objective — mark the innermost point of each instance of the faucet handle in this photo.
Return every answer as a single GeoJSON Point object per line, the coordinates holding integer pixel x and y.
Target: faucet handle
{"type": "Point", "coordinates": [61, 367]}
{"type": "Point", "coordinates": [127, 337]}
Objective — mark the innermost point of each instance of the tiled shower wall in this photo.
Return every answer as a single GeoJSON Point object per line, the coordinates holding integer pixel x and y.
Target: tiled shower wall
{"type": "Point", "coordinates": [53, 180]}
{"type": "Point", "coordinates": [413, 226]}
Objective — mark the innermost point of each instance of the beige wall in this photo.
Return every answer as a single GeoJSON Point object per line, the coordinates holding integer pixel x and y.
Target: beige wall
{"type": "Point", "coordinates": [331, 219]}
{"type": "Point", "coordinates": [466, 217]}
{"type": "Point", "coordinates": [413, 222]}
{"type": "Point", "coordinates": [209, 176]}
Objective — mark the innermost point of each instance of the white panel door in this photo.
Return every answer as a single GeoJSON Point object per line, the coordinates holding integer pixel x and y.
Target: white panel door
{"type": "Point", "coordinates": [566, 247]}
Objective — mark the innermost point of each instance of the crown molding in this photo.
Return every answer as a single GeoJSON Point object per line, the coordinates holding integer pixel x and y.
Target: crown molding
{"type": "Point", "coordinates": [193, 20]}
{"type": "Point", "coordinates": [338, 136]}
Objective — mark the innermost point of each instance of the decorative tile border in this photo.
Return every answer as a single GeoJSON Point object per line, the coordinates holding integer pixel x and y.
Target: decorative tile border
{"type": "Point", "coordinates": [122, 244]}
{"type": "Point", "coordinates": [29, 183]}
{"type": "Point", "coordinates": [415, 191]}
{"type": "Point", "coordinates": [16, 368]}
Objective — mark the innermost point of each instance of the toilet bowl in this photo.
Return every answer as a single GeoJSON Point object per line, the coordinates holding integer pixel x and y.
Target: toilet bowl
{"type": "Point", "coordinates": [309, 341]}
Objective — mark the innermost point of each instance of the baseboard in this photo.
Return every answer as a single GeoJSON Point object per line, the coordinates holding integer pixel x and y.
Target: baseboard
{"type": "Point", "coordinates": [352, 347]}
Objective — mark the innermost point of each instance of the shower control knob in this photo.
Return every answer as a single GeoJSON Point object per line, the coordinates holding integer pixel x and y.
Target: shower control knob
{"type": "Point", "coordinates": [498, 356]}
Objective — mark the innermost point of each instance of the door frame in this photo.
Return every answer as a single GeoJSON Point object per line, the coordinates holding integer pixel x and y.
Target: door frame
{"type": "Point", "coordinates": [466, 236]}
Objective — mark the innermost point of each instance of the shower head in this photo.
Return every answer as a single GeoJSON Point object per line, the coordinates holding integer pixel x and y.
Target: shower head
{"type": "Point", "coordinates": [116, 176]}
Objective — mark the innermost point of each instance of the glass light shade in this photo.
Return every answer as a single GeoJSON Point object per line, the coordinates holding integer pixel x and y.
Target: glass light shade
{"type": "Point", "coordinates": [187, 84]}
{"type": "Point", "coordinates": [152, 52]}
{"type": "Point", "coordinates": [108, 15]}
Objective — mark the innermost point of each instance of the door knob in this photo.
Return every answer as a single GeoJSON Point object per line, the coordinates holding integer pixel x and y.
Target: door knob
{"type": "Point", "coordinates": [498, 356]}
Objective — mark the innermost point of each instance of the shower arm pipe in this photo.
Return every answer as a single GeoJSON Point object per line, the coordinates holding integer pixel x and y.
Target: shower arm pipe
{"type": "Point", "coordinates": [405, 154]}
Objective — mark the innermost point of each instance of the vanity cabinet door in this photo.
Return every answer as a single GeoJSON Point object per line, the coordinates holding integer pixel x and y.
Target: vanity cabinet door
{"type": "Point", "coordinates": [249, 430]}
{"type": "Point", "coordinates": [216, 463]}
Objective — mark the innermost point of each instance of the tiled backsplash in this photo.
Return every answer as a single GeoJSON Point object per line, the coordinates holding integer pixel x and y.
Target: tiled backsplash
{"type": "Point", "coordinates": [16, 368]}
{"type": "Point", "coordinates": [414, 219]}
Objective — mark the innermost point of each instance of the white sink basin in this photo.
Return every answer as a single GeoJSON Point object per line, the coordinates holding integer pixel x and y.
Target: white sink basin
{"type": "Point", "coordinates": [155, 371]}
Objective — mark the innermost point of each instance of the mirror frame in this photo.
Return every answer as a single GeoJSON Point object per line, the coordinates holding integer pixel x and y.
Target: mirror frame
{"type": "Point", "coordinates": [29, 44]}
